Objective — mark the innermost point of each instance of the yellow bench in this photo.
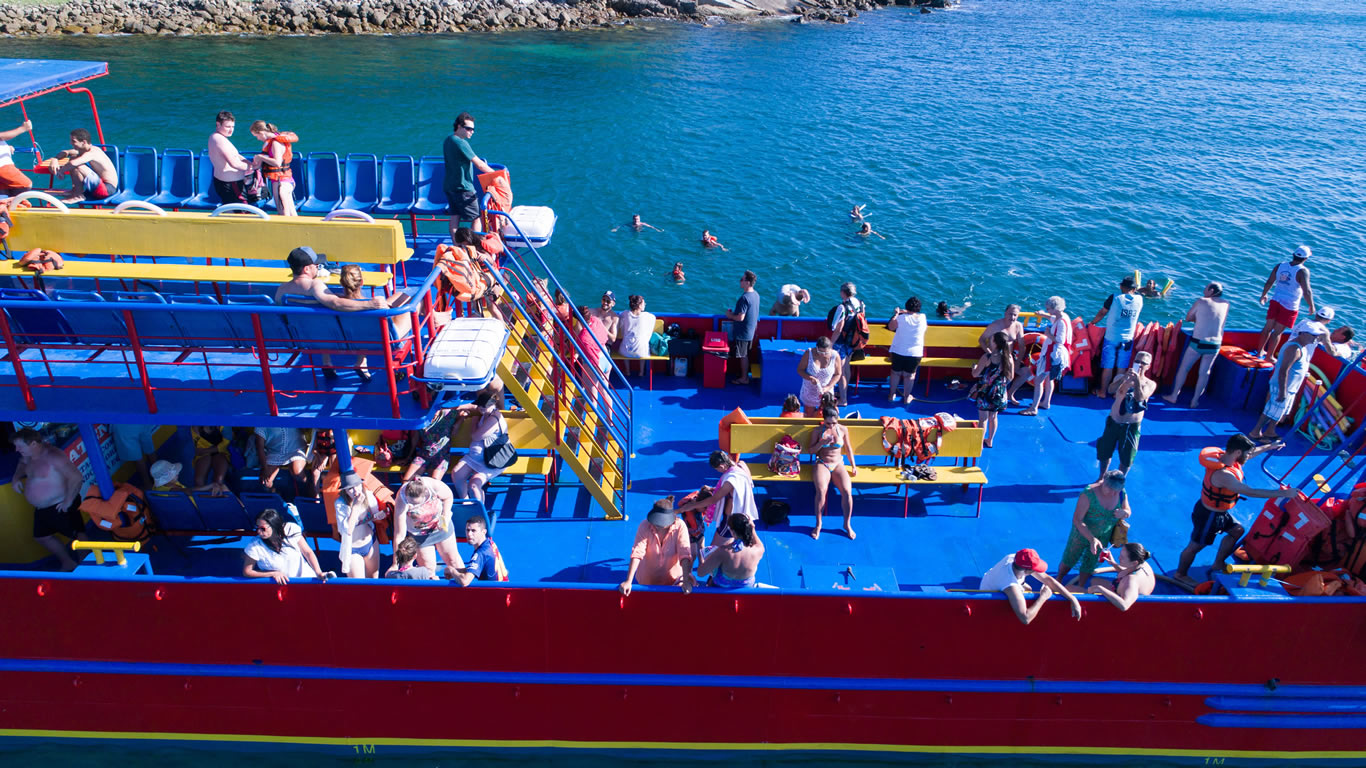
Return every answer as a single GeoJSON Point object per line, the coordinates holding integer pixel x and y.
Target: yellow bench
{"type": "Point", "coordinates": [650, 360]}
{"type": "Point", "coordinates": [204, 236]}
{"type": "Point", "coordinates": [963, 444]}
{"type": "Point", "coordinates": [958, 337]}
{"type": "Point", "coordinates": [525, 436]}
{"type": "Point", "coordinates": [195, 273]}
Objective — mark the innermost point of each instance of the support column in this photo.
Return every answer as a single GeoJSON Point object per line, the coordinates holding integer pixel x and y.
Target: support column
{"type": "Point", "coordinates": [343, 442]}
{"type": "Point", "coordinates": [96, 458]}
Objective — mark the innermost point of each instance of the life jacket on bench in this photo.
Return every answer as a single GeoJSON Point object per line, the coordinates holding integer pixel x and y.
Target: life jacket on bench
{"type": "Point", "coordinates": [466, 281]}
{"type": "Point", "coordinates": [124, 514]}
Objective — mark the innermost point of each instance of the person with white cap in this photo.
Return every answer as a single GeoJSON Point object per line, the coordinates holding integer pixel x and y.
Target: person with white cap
{"type": "Point", "coordinates": [662, 553]}
{"type": "Point", "coordinates": [165, 475]}
{"type": "Point", "coordinates": [1292, 365]}
{"type": "Point", "coordinates": [1008, 576]}
{"type": "Point", "coordinates": [357, 510]}
{"type": "Point", "coordinates": [1288, 282]}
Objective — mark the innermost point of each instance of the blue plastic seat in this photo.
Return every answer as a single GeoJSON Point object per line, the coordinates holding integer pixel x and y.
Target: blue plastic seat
{"type": "Point", "coordinates": [463, 509]}
{"type": "Point", "coordinates": [205, 329]}
{"type": "Point", "coordinates": [42, 324]}
{"type": "Point", "coordinates": [313, 516]}
{"type": "Point", "coordinates": [175, 183]}
{"type": "Point", "coordinates": [397, 192]}
{"type": "Point", "coordinates": [324, 183]}
{"type": "Point", "coordinates": [205, 197]}
{"type": "Point", "coordinates": [315, 329]}
{"type": "Point", "coordinates": [97, 326]}
{"type": "Point", "coordinates": [221, 513]}
{"type": "Point", "coordinates": [138, 181]}
{"type": "Point", "coordinates": [257, 502]}
{"type": "Point", "coordinates": [174, 512]}
{"type": "Point", "coordinates": [362, 334]}
{"type": "Point", "coordinates": [431, 192]}
{"type": "Point", "coordinates": [362, 182]}
{"type": "Point", "coordinates": [273, 326]}
{"type": "Point", "coordinates": [154, 330]}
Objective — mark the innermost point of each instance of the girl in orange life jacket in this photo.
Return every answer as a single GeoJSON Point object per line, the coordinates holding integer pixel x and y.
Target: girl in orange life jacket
{"type": "Point", "coordinates": [1219, 492]}
{"type": "Point", "coordinates": [276, 154]}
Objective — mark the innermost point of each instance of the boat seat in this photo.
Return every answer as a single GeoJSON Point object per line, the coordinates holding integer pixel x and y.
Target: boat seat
{"type": "Point", "coordinates": [41, 324]}
{"type": "Point", "coordinates": [273, 327]}
{"type": "Point", "coordinates": [221, 513]}
{"type": "Point", "coordinates": [205, 197]}
{"type": "Point", "coordinates": [175, 182]}
{"type": "Point", "coordinates": [397, 191]}
{"type": "Point", "coordinates": [174, 512]}
{"type": "Point", "coordinates": [194, 273]}
{"type": "Point", "coordinates": [313, 516]}
{"type": "Point", "coordinates": [256, 502]}
{"type": "Point", "coordinates": [318, 329]}
{"type": "Point", "coordinates": [153, 330]}
{"type": "Point", "coordinates": [205, 329]}
{"type": "Point", "coordinates": [362, 183]}
{"type": "Point", "coordinates": [325, 184]}
{"type": "Point", "coordinates": [431, 193]}
{"type": "Point", "coordinates": [138, 178]}
{"type": "Point", "coordinates": [97, 326]}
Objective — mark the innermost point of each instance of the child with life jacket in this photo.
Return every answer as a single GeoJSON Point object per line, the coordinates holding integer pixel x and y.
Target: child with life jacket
{"type": "Point", "coordinates": [273, 162]}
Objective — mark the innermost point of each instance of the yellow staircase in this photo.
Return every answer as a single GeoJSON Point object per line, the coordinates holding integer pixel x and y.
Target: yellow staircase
{"type": "Point", "coordinates": [566, 413]}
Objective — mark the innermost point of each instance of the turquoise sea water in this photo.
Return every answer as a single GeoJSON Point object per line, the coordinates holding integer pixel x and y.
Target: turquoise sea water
{"type": "Point", "coordinates": [1008, 150]}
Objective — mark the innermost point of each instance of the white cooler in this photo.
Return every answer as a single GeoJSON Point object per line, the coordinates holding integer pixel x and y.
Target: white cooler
{"type": "Point", "coordinates": [464, 355]}
{"type": "Point", "coordinates": [537, 222]}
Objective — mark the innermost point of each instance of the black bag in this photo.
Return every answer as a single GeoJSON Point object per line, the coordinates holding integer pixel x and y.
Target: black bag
{"type": "Point", "coordinates": [682, 346]}
{"type": "Point", "coordinates": [499, 453]}
{"type": "Point", "coordinates": [774, 512]}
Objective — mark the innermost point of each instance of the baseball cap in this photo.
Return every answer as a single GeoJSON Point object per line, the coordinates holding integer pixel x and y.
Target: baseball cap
{"type": "Point", "coordinates": [1030, 560]}
{"type": "Point", "coordinates": [1128, 283]}
{"type": "Point", "coordinates": [1311, 327]}
{"type": "Point", "coordinates": [1303, 252]}
{"type": "Point", "coordinates": [303, 256]}
{"type": "Point", "coordinates": [1325, 314]}
{"type": "Point", "coordinates": [662, 514]}
{"type": "Point", "coordinates": [609, 295]}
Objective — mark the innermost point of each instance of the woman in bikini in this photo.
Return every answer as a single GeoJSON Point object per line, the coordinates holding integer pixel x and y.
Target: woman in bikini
{"type": "Point", "coordinates": [1134, 579]}
{"type": "Point", "coordinates": [734, 562]}
{"type": "Point", "coordinates": [821, 370]}
{"type": "Point", "coordinates": [357, 510]}
{"type": "Point", "coordinates": [828, 441]}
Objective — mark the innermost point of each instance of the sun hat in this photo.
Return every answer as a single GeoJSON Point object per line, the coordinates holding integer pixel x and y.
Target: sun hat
{"type": "Point", "coordinates": [663, 514]}
{"type": "Point", "coordinates": [1303, 252]}
{"type": "Point", "coordinates": [164, 472]}
{"type": "Point", "coordinates": [351, 479]}
{"type": "Point", "coordinates": [1030, 560]}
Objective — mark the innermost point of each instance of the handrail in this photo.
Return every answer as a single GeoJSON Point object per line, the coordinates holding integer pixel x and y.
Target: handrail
{"type": "Point", "coordinates": [34, 194]}
{"type": "Point", "coordinates": [349, 213]}
{"type": "Point", "coordinates": [141, 204]}
{"type": "Point", "coordinates": [240, 208]}
{"type": "Point", "coordinates": [100, 547]}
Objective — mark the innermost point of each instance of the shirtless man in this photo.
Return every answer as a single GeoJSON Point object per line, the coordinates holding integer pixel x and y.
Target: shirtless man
{"type": "Point", "coordinates": [93, 175]}
{"type": "Point", "coordinates": [1010, 324]}
{"type": "Point", "coordinates": [1208, 313]}
{"type": "Point", "coordinates": [867, 230]}
{"type": "Point", "coordinates": [1131, 390]}
{"type": "Point", "coordinates": [637, 225]}
{"type": "Point", "coordinates": [606, 314]}
{"type": "Point", "coordinates": [303, 262]}
{"type": "Point", "coordinates": [52, 484]}
{"type": "Point", "coordinates": [229, 167]}
{"type": "Point", "coordinates": [1135, 578]}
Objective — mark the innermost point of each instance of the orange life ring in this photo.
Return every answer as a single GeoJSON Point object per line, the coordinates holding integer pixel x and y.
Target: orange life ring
{"type": "Point", "coordinates": [1033, 344]}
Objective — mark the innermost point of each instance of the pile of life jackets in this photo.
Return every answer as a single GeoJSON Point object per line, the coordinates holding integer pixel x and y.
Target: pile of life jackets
{"type": "Point", "coordinates": [1324, 542]}
{"type": "Point", "coordinates": [462, 272]}
{"type": "Point", "coordinates": [915, 441]}
{"type": "Point", "coordinates": [123, 515]}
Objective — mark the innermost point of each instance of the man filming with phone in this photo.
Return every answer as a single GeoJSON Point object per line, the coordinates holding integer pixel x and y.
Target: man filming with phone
{"type": "Point", "coordinates": [1131, 390]}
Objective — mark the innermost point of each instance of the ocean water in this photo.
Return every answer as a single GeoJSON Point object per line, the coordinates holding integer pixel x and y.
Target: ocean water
{"type": "Point", "coordinates": [1008, 151]}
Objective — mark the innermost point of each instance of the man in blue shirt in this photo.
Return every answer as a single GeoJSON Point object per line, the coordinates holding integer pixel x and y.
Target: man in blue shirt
{"type": "Point", "coordinates": [485, 564]}
{"type": "Point", "coordinates": [1121, 313]}
{"type": "Point", "coordinates": [462, 195]}
{"type": "Point", "coordinates": [745, 317]}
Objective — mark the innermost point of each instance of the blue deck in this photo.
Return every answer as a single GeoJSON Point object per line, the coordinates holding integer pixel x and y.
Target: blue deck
{"type": "Point", "coordinates": [1036, 471]}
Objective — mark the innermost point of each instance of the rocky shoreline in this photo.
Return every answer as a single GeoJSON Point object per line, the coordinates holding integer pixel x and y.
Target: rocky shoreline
{"type": "Point", "coordinates": [394, 17]}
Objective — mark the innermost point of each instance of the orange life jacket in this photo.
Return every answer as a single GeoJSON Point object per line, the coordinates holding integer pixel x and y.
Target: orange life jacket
{"type": "Point", "coordinates": [466, 280]}
{"type": "Point", "coordinates": [41, 260]}
{"type": "Point", "coordinates": [124, 514]}
{"type": "Point", "coordinates": [282, 171]}
{"type": "Point", "coordinates": [1213, 497]}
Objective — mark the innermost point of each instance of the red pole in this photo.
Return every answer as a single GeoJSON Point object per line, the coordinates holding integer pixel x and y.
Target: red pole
{"type": "Point", "coordinates": [142, 365]}
{"type": "Point", "coordinates": [94, 110]}
{"type": "Point", "coordinates": [265, 363]}
{"type": "Point", "coordinates": [18, 364]}
{"type": "Point", "coordinates": [389, 368]}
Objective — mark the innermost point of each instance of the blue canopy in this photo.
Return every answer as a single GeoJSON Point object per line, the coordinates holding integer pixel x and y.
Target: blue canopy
{"type": "Point", "coordinates": [25, 78]}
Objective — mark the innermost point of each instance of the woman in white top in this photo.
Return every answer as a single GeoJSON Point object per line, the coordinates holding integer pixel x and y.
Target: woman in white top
{"type": "Point", "coordinates": [907, 347]}
{"type": "Point", "coordinates": [471, 474]}
{"type": "Point", "coordinates": [637, 326]}
{"type": "Point", "coordinates": [821, 371]}
{"type": "Point", "coordinates": [423, 511]}
{"type": "Point", "coordinates": [279, 552]}
{"type": "Point", "coordinates": [1049, 369]}
{"type": "Point", "coordinates": [357, 510]}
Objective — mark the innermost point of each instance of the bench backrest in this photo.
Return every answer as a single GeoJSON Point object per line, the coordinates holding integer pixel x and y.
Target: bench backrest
{"type": "Point", "coordinates": [866, 434]}
{"type": "Point", "coordinates": [523, 432]}
{"type": "Point", "coordinates": [200, 235]}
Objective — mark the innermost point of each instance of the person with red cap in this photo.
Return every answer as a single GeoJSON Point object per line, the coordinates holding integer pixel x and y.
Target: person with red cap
{"type": "Point", "coordinates": [1009, 575]}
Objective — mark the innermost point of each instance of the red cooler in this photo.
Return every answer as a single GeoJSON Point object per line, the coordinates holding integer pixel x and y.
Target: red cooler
{"type": "Point", "coordinates": [715, 351]}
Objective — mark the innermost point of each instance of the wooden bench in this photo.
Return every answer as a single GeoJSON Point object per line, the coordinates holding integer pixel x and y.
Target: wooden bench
{"type": "Point", "coordinates": [963, 444]}
{"type": "Point", "coordinates": [959, 341]}
{"type": "Point", "coordinates": [189, 273]}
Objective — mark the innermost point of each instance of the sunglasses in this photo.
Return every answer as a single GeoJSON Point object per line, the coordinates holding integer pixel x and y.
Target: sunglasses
{"type": "Point", "coordinates": [468, 127]}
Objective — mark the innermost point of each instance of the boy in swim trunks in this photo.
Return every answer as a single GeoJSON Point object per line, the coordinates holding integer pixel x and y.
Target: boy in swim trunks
{"type": "Point", "coordinates": [93, 175]}
{"type": "Point", "coordinates": [1208, 312]}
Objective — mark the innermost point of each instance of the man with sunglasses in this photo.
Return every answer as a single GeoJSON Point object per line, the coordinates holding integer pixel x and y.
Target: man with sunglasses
{"type": "Point", "coordinates": [462, 195]}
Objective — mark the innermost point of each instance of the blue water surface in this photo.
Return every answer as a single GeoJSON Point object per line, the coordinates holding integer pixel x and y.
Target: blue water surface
{"type": "Point", "coordinates": [1007, 150]}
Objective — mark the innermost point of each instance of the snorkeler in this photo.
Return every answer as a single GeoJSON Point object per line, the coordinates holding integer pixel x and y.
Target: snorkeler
{"type": "Point", "coordinates": [677, 274]}
{"type": "Point", "coordinates": [857, 213]}
{"type": "Point", "coordinates": [709, 241]}
{"type": "Point", "coordinates": [637, 225]}
{"type": "Point", "coordinates": [867, 229]}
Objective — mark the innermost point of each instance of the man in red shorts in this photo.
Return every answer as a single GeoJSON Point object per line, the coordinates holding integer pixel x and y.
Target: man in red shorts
{"type": "Point", "coordinates": [1290, 281]}
{"type": "Point", "coordinates": [93, 174]}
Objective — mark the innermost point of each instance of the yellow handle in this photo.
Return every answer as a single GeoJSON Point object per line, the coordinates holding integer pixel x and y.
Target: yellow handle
{"type": "Point", "coordinates": [100, 547]}
{"type": "Point", "coordinates": [1264, 571]}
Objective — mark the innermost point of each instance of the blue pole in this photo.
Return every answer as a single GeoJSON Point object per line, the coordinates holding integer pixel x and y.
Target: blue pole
{"type": "Point", "coordinates": [96, 459]}
{"type": "Point", "coordinates": [343, 442]}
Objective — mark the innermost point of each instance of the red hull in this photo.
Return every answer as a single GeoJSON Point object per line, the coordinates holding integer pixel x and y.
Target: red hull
{"type": "Point", "coordinates": [583, 668]}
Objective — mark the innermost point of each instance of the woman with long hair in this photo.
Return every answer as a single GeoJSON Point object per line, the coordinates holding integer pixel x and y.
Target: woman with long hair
{"type": "Point", "coordinates": [279, 551]}
{"type": "Point", "coordinates": [828, 441]}
{"type": "Point", "coordinates": [734, 562]}
{"type": "Point", "coordinates": [277, 152]}
{"type": "Point", "coordinates": [994, 371]}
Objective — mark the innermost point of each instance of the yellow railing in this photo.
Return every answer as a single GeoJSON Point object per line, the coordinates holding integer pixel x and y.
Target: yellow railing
{"type": "Point", "coordinates": [1248, 571]}
{"type": "Point", "coordinates": [100, 547]}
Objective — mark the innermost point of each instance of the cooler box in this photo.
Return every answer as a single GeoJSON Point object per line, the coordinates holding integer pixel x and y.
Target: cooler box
{"type": "Point", "coordinates": [715, 351]}
{"type": "Point", "coordinates": [1281, 534]}
{"type": "Point", "coordinates": [537, 222]}
{"type": "Point", "coordinates": [464, 355]}
{"type": "Point", "coordinates": [779, 360]}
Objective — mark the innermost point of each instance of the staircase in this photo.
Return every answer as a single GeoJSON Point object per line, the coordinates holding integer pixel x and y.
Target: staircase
{"type": "Point", "coordinates": [592, 433]}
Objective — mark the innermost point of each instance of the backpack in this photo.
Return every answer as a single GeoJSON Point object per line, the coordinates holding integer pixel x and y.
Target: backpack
{"type": "Point", "coordinates": [786, 460]}
{"type": "Point", "coordinates": [855, 333]}
{"type": "Point", "coordinates": [774, 512]}
{"type": "Point", "coordinates": [123, 515]}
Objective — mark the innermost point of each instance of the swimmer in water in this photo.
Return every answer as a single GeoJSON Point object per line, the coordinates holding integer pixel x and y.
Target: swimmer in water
{"type": "Point", "coordinates": [1150, 290]}
{"type": "Point", "coordinates": [677, 274]}
{"type": "Point", "coordinates": [857, 213]}
{"type": "Point", "coordinates": [867, 229]}
{"type": "Point", "coordinates": [945, 311]}
{"type": "Point", "coordinates": [637, 225]}
{"type": "Point", "coordinates": [709, 241]}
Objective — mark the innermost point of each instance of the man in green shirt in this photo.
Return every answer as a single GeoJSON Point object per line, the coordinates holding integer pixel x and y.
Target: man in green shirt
{"type": "Point", "coordinates": [461, 193]}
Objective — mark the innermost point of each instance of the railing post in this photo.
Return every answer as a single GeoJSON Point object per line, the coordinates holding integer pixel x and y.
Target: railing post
{"type": "Point", "coordinates": [96, 459]}
{"type": "Point", "coordinates": [142, 364]}
{"type": "Point", "coordinates": [389, 367]}
{"type": "Point", "coordinates": [264, 356]}
{"type": "Point", "coordinates": [13, 348]}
